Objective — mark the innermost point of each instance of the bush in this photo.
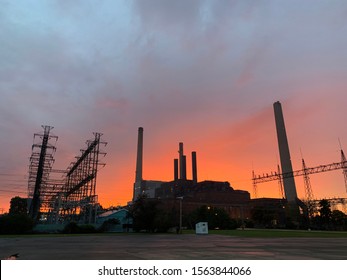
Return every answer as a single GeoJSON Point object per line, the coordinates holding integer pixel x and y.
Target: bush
{"type": "Point", "coordinates": [16, 224]}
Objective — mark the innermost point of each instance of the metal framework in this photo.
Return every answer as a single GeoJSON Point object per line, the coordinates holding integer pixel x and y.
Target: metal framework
{"type": "Point", "coordinates": [305, 172]}
{"type": "Point", "coordinates": [280, 182]}
{"type": "Point", "coordinates": [41, 161]}
{"type": "Point", "coordinates": [78, 199]}
{"type": "Point", "coordinates": [310, 170]}
{"type": "Point", "coordinates": [344, 168]}
{"type": "Point", "coordinates": [308, 190]}
{"type": "Point", "coordinates": [73, 197]}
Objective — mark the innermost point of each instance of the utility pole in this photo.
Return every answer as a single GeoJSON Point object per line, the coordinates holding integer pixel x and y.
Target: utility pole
{"type": "Point", "coordinates": [180, 222]}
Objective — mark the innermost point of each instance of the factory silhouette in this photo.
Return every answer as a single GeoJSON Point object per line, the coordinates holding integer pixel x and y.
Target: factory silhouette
{"type": "Point", "coordinates": [74, 198]}
{"type": "Point", "coordinates": [217, 194]}
{"type": "Point", "coordinates": [191, 194]}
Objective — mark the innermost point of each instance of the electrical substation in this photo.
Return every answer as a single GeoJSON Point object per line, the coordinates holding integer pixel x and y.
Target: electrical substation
{"type": "Point", "coordinates": [285, 174]}
{"type": "Point", "coordinates": [71, 198]}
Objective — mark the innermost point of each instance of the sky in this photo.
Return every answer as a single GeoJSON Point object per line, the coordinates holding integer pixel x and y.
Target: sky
{"type": "Point", "coordinates": [205, 73]}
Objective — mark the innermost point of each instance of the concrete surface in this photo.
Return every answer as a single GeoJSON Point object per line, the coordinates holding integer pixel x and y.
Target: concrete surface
{"type": "Point", "coordinates": [171, 247]}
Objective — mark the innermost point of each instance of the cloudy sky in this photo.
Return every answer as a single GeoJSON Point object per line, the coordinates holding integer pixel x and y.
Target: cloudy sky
{"type": "Point", "coordinates": [205, 73]}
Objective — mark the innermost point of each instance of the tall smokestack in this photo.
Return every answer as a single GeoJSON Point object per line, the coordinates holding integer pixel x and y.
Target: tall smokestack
{"type": "Point", "coordinates": [138, 172]}
{"type": "Point", "coordinates": [184, 168]}
{"type": "Point", "coordinates": [180, 153]}
{"type": "Point", "coordinates": [286, 164]}
{"type": "Point", "coordinates": [175, 169]}
{"type": "Point", "coordinates": [138, 175]}
{"type": "Point", "coordinates": [194, 168]}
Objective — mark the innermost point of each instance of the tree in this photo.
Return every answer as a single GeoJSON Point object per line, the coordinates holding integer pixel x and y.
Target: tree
{"type": "Point", "coordinates": [17, 220]}
{"type": "Point", "coordinates": [15, 224]}
{"type": "Point", "coordinates": [148, 216]}
{"type": "Point", "coordinates": [263, 216]}
{"type": "Point", "coordinates": [325, 210]}
{"type": "Point", "coordinates": [323, 221]}
{"type": "Point", "coordinates": [18, 205]}
{"type": "Point", "coordinates": [339, 220]}
{"type": "Point", "coordinates": [217, 218]}
{"type": "Point", "coordinates": [324, 214]}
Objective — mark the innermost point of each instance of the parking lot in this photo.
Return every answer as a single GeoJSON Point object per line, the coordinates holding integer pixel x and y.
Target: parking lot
{"type": "Point", "coordinates": [171, 247]}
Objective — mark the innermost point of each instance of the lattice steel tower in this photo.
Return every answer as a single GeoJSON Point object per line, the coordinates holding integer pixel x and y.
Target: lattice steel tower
{"type": "Point", "coordinates": [41, 162]}
{"type": "Point", "coordinates": [308, 190]}
{"type": "Point", "coordinates": [79, 192]}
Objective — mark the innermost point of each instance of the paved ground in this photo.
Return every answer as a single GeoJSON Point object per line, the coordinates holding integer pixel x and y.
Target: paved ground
{"type": "Point", "coordinates": [172, 247]}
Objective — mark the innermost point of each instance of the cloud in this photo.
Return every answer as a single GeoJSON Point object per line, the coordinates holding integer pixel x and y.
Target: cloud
{"type": "Point", "coordinates": [166, 14]}
{"type": "Point", "coordinates": [202, 72]}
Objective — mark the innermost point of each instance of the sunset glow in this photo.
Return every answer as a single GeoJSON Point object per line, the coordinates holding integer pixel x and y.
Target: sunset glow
{"type": "Point", "coordinates": [205, 73]}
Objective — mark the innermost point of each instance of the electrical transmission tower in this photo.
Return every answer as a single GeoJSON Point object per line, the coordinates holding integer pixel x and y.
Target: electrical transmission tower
{"type": "Point", "coordinates": [305, 172]}
{"type": "Point", "coordinates": [280, 182]}
{"type": "Point", "coordinates": [308, 190]}
{"type": "Point", "coordinates": [273, 176]}
{"type": "Point", "coordinates": [344, 168]}
{"type": "Point", "coordinates": [72, 197]}
{"type": "Point", "coordinates": [41, 162]}
{"type": "Point", "coordinates": [79, 192]}
{"type": "Point", "coordinates": [255, 191]}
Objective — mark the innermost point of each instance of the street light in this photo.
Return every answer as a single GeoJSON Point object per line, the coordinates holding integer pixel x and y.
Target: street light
{"type": "Point", "coordinates": [180, 226]}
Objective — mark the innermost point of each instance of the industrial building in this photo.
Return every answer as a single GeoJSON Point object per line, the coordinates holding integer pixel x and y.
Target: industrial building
{"type": "Point", "coordinates": [190, 194]}
{"type": "Point", "coordinates": [121, 215]}
{"type": "Point", "coordinates": [194, 194]}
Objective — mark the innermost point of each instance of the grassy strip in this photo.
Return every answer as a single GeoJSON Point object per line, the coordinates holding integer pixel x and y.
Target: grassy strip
{"type": "Point", "coordinates": [247, 233]}
{"type": "Point", "coordinates": [273, 233]}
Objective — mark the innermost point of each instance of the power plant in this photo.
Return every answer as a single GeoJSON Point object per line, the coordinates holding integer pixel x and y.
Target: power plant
{"type": "Point", "coordinates": [236, 202]}
{"type": "Point", "coordinates": [194, 193]}
{"type": "Point", "coordinates": [74, 196]}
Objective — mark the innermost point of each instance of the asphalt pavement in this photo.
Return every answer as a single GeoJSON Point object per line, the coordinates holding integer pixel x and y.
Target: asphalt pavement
{"type": "Point", "coordinates": [171, 247]}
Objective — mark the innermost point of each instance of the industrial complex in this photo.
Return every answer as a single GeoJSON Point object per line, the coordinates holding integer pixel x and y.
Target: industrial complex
{"type": "Point", "coordinates": [74, 197]}
{"type": "Point", "coordinates": [237, 203]}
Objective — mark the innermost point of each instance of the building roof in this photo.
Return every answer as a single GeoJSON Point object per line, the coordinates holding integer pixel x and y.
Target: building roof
{"type": "Point", "coordinates": [111, 212]}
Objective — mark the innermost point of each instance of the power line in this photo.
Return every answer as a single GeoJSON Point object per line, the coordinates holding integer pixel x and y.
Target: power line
{"type": "Point", "coordinates": [12, 174]}
{"type": "Point", "coordinates": [6, 191]}
{"type": "Point", "coordinates": [14, 180]}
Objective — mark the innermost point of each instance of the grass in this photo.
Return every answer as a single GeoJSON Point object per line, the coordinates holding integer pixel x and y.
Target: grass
{"type": "Point", "coordinates": [276, 233]}
{"type": "Point", "coordinates": [247, 233]}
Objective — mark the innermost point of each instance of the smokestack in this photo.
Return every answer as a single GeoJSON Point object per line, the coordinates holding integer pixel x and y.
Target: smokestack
{"type": "Point", "coordinates": [175, 169]}
{"type": "Point", "coordinates": [184, 168]}
{"type": "Point", "coordinates": [194, 168]}
{"type": "Point", "coordinates": [180, 153]}
{"type": "Point", "coordinates": [138, 175]}
{"type": "Point", "coordinates": [138, 172]}
{"type": "Point", "coordinates": [286, 164]}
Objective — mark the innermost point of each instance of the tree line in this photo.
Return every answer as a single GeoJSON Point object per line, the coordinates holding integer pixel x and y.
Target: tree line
{"type": "Point", "coordinates": [149, 215]}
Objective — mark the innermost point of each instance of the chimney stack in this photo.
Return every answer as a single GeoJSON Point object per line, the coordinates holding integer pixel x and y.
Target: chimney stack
{"type": "Point", "coordinates": [194, 168]}
{"type": "Point", "coordinates": [184, 168]}
{"type": "Point", "coordinates": [180, 154]}
{"type": "Point", "coordinates": [138, 175]}
{"type": "Point", "coordinates": [175, 169]}
{"type": "Point", "coordinates": [286, 164]}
